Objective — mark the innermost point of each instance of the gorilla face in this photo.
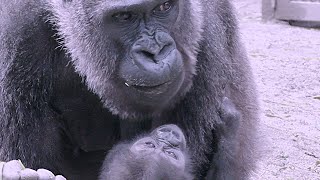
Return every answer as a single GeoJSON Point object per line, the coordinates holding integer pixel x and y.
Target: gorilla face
{"type": "Point", "coordinates": [136, 58]}
{"type": "Point", "coordinates": [162, 154]}
{"type": "Point", "coordinates": [152, 66]}
{"type": "Point", "coordinates": [166, 144]}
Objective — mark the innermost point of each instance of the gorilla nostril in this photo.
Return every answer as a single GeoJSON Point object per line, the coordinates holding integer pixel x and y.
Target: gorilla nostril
{"type": "Point", "coordinates": [175, 134]}
{"type": "Point", "coordinates": [169, 131]}
{"type": "Point", "coordinates": [166, 49]}
{"type": "Point", "coordinates": [147, 54]}
{"type": "Point", "coordinates": [171, 135]}
{"type": "Point", "coordinates": [165, 129]}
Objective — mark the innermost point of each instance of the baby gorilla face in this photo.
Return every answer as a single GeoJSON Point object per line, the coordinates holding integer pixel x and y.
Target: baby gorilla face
{"type": "Point", "coordinates": [162, 154]}
{"type": "Point", "coordinates": [165, 144]}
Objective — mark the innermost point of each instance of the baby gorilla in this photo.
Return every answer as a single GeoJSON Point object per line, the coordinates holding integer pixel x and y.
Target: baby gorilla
{"type": "Point", "coordinates": [160, 155]}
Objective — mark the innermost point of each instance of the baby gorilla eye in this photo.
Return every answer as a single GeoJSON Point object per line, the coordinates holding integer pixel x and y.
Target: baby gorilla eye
{"type": "Point", "coordinates": [171, 154]}
{"type": "Point", "coordinates": [163, 7]}
{"type": "Point", "coordinates": [150, 145]}
{"type": "Point", "coordinates": [122, 16]}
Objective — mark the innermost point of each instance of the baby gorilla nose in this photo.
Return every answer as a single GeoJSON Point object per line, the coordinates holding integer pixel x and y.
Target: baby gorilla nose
{"type": "Point", "coordinates": [172, 135]}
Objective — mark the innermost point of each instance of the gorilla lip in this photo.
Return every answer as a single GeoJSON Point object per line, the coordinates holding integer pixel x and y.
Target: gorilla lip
{"type": "Point", "coordinates": [161, 87]}
{"type": "Point", "coordinates": [149, 88]}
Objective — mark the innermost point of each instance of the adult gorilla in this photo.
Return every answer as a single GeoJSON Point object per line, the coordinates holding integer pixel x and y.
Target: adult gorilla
{"type": "Point", "coordinates": [79, 76]}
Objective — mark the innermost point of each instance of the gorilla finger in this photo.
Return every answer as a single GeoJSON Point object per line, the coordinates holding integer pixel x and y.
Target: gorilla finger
{"type": "Point", "coordinates": [10, 175]}
{"type": "Point", "coordinates": [45, 174]}
{"type": "Point", "coordinates": [59, 177]}
{"type": "Point", "coordinates": [10, 170]}
{"type": "Point", "coordinates": [14, 165]}
{"type": "Point", "coordinates": [28, 174]}
{"type": "Point", "coordinates": [1, 169]}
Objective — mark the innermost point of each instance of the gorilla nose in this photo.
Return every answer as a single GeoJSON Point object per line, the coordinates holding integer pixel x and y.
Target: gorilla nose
{"type": "Point", "coordinates": [146, 55]}
{"type": "Point", "coordinates": [153, 53]}
{"type": "Point", "coordinates": [171, 134]}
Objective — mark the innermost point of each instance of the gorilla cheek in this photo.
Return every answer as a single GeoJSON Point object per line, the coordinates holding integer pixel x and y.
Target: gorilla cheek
{"type": "Point", "coordinates": [178, 162]}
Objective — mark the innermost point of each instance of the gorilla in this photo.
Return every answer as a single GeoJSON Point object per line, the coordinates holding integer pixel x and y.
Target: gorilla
{"type": "Point", "coordinates": [160, 155]}
{"type": "Point", "coordinates": [78, 77]}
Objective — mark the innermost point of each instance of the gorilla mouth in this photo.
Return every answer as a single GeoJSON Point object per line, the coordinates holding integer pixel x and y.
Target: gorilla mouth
{"type": "Point", "coordinates": [145, 88]}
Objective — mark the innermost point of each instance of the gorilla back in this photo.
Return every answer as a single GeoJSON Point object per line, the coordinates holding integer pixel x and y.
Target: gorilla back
{"type": "Point", "coordinates": [85, 75]}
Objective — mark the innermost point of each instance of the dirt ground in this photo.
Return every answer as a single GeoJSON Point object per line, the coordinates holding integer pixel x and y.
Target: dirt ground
{"type": "Point", "coordinates": [286, 64]}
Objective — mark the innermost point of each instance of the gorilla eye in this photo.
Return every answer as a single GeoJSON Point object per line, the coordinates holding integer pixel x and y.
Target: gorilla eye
{"type": "Point", "coordinates": [171, 154]}
{"type": "Point", "coordinates": [163, 7]}
{"type": "Point", "coordinates": [150, 145]}
{"type": "Point", "coordinates": [122, 16]}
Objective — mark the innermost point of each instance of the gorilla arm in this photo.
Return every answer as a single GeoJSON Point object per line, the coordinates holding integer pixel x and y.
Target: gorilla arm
{"type": "Point", "coordinates": [228, 129]}
{"type": "Point", "coordinates": [28, 125]}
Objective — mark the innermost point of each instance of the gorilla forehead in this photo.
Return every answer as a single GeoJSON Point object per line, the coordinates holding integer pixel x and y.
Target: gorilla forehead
{"type": "Point", "coordinates": [108, 5]}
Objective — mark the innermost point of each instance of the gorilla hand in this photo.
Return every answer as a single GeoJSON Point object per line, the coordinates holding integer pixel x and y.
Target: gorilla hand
{"type": "Point", "coordinates": [228, 128]}
{"type": "Point", "coordinates": [14, 170]}
{"type": "Point", "coordinates": [230, 117]}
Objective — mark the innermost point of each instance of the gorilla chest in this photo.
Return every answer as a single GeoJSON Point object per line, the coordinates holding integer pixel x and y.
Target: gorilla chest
{"type": "Point", "coordinates": [88, 126]}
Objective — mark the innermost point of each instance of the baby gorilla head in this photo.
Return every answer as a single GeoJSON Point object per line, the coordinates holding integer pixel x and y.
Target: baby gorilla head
{"type": "Point", "coordinates": [160, 155]}
{"type": "Point", "coordinates": [165, 145]}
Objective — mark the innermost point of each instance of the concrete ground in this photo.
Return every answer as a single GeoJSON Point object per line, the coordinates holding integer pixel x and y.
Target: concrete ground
{"type": "Point", "coordinates": [286, 64]}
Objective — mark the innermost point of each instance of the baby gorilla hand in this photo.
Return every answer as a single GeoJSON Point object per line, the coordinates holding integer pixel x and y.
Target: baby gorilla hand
{"type": "Point", "coordinates": [14, 170]}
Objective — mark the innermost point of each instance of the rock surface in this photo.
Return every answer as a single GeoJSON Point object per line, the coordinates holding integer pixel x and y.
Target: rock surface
{"type": "Point", "coordinates": [286, 64]}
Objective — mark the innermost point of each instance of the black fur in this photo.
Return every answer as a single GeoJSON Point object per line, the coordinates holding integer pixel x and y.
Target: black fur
{"type": "Point", "coordinates": [63, 107]}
